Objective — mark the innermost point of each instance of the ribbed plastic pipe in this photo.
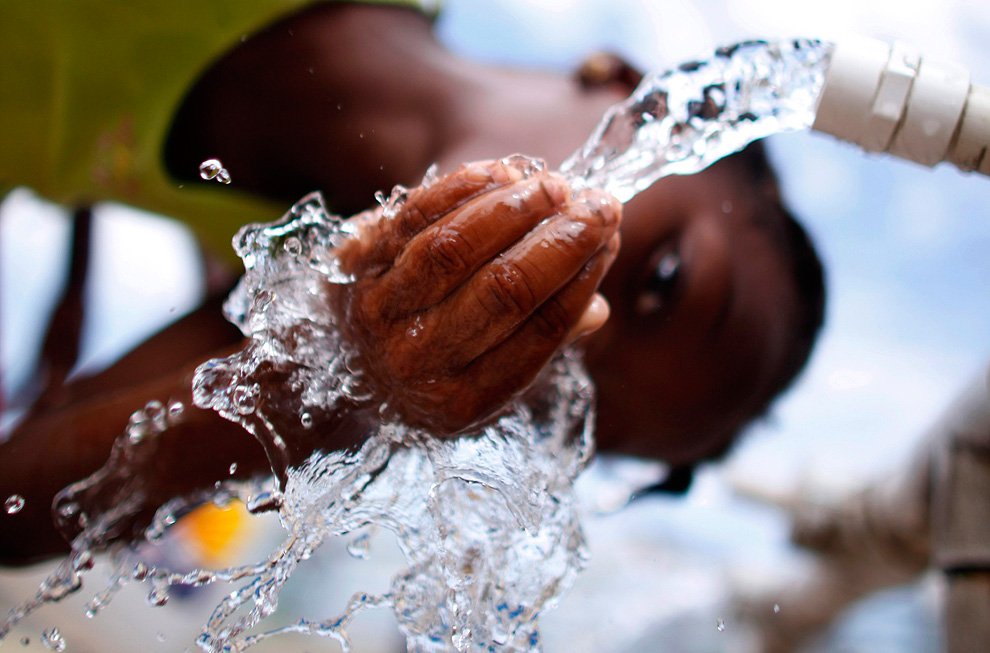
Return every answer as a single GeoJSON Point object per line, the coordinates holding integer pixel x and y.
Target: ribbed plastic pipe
{"type": "Point", "coordinates": [888, 98]}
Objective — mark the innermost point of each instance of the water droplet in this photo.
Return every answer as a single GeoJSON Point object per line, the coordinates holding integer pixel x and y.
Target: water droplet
{"type": "Point", "coordinates": [137, 427]}
{"type": "Point", "coordinates": [359, 547]}
{"type": "Point", "coordinates": [246, 398]}
{"type": "Point", "coordinates": [776, 608]}
{"type": "Point", "coordinates": [82, 561]}
{"type": "Point", "coordinates": [155, 411]}
{"type": "Point", "coordinates": [263, 502]}
{"type": "Point", "coordinates": [223, 176]}
{"type": "Point", "coordinates": [528, 166]}
{"type": "Point", "coordinates": [210, 168]}
{"type": "Point", "coordinates": [175, 410]}
{"type": "Point", "coordinates": [430, 177]}
{"type": "Point", "coordinates": [52, 640]}
{"type": "Point", "coordinates": [141, 571]}
{"type": "Point", "coordinates": [157, 597]}
{"type": "Point", "coordinates": [25, 641]}
{"type": "Point", "coordinates": [415, 329]}
{"type": "Point", "coordinates": [726, 206]}
{"type": "Point", "coordinates": [160, 637]}
{"type": "Point", "coordinates": [380, 197]}
{"type": "Point", "coordinates": [720, 625]}
{"type": "Point", "coordinates": [233, 468]}
{"type": "Point", "coordinates": [395, 201]}
{"type": "Point", "coordinates": [292, 246]}
{"type": "Point", "coordinates": [306, 420]}
{"type": "Point", "coordinates": [157, 416]}
{"type": "Point", "coordinates": [13, 504]}
{"type": "Point", "coordinates": [716, 95]}
{"type": "Point", "coordinates": [263, 300]}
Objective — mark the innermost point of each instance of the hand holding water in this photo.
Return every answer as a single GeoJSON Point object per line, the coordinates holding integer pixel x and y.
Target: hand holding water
{"type": "Point", "coordinates": [472, 285]}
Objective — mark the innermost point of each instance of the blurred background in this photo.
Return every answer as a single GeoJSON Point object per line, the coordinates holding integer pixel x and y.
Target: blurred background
{"type": "Point", "coordinates": [906, 251]}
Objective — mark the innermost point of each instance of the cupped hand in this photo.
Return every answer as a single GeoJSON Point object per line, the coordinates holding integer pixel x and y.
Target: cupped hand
{"type": "Point", "coordinates": [472, 286]}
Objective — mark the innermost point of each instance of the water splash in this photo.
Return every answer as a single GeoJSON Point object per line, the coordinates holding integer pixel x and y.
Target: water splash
{"type": "Point", "coordinates": [685, 119]}
{"type": "Point", "coordinates": [487, 522]}
{"type": "Point", "coordinates": [486, 549]}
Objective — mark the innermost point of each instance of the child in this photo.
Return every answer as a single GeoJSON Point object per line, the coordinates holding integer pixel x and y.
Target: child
{"type": "Point", "coordinates": [715, 294]}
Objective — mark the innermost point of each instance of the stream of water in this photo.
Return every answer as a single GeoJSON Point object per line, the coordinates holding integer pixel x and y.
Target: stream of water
{"type": "Point", "coordinates": [487, 522]}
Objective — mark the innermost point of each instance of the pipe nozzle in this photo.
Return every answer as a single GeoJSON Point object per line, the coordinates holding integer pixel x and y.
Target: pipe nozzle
{"type": "Point", "coordinates": [889, 99]}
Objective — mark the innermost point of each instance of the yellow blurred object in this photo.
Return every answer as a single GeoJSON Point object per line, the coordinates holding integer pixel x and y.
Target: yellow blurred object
{"type": "Point", "coordinates": [213, 535]}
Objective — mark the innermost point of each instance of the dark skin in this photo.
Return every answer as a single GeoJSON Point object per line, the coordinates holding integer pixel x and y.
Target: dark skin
{"type": "Point", "coordinates": [680, 367]}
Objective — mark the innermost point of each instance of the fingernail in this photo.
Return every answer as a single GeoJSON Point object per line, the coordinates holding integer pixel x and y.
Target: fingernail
{"type": "Point", "coordinates": [594, 316]}
{"type": "Point", "coordinates": [604, 205]}
{"type": "Point", "coordinates": [504, 174]}
{"type": "Point", "coordinates": [477, 173]}
{"type": "Point", "coordinates": [555, 190]}
{"type": "Point", "coordinates": [612, 246]}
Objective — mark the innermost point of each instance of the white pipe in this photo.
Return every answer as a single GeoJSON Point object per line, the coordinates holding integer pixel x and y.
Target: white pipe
{"type": "Point", "coordinates": [889, 99]}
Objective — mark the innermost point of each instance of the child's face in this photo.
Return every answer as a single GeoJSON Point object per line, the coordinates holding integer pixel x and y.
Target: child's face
{"type": "Point", "coordinates": [702, 308]}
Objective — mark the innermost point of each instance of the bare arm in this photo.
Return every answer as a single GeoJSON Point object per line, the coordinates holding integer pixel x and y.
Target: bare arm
{"type": "Point", "coordinates": [68, 439]}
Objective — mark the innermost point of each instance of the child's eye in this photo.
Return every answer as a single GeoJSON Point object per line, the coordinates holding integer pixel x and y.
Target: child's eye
{"type": "Point", "coordinates": [661, 284]}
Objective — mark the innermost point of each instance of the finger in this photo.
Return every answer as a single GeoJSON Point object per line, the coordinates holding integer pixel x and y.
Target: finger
{"type": "Point", "coordinates": [456, 246]}
{"type": "Point", "coordinates": [508, 369]}
{"type": "Point", "coordinates": [593, 317]}
{"type": "Point", "coordinates": [427, 204]}
{"type": "Point", "coordinates": [510, 289]}
{"type": "Point", "coordinates": [576, 310]}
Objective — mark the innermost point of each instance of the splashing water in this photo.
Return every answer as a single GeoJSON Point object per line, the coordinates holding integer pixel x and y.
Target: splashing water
{"type": "Point", "coordinates": [458, 508]}
{"type": "Point", "coordinates": [487, 522]}
{"type": "Point", "coordinates": [685, 119]}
